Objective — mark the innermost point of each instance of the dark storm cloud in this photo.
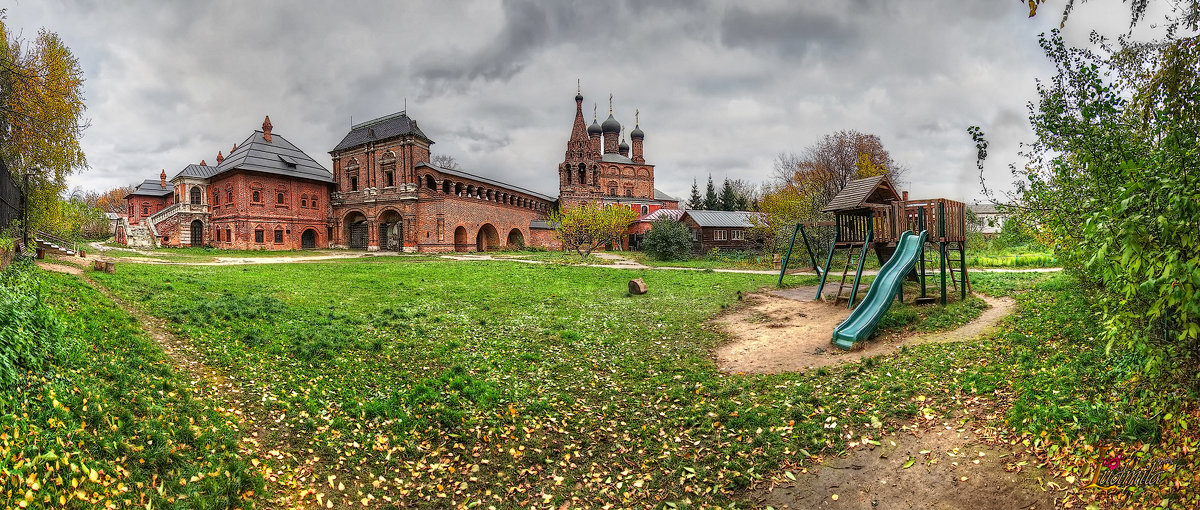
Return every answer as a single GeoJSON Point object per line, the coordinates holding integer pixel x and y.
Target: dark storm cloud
{"type": "Point", "coordinates": [722, 86]}
{"type": "Point", "coordinates": [795, 31]}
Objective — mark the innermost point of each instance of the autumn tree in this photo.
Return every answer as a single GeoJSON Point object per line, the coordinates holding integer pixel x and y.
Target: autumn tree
{"type": "Point", "coordinates": [804, 183]}
{"type": "Point", "coordinates": [41, 116]}
{"type": "Point", "coordinates": [111, 201]}
{"type": "Point", "coordinates": [588, 226]}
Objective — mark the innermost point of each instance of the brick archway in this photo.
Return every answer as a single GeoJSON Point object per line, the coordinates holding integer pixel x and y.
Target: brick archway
{"type": "Point", "coordinates": [460, 239]}
{"type": "Point", "coordinates": [516, 240]}
{"type": "Point", "coordinates": [355, 227]}
{"type": "Point", "coordinates": [487, 239]}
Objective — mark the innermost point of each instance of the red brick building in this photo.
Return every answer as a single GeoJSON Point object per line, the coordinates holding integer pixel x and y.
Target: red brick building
{"type": "Point", "coordinates": [388, 196]}
{"type": "Point", "coordinates": [148, 198]}
{"type": "Point", "coordinates": [383, 194]}
{"type": "Point", "coordinates": [268, 194]}
{"type": "Point", "coordinates": [599, 168]}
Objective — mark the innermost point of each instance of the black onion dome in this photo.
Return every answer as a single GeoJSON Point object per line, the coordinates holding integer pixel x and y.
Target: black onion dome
{"type": "Point", "coordinates": [623, 147]}
{"type": "Point", "coordinates": [637, 133]}
{"type": "Point", "coordinates": [594, 129]}
{"type": "Point", "coordinates": [611, 125]}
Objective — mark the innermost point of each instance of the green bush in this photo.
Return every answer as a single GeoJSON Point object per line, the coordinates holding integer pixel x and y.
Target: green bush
{"type": "Point", "coordinates": [668, 240]}
{"type": "Point", "coordinates": [30, 332]}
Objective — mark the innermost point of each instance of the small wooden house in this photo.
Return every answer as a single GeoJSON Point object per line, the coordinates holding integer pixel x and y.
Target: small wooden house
{"type": "Point", "coordinates": [727, 230]}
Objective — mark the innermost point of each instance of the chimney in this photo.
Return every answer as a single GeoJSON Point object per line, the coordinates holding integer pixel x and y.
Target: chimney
{"type": "Point", "coordinates": [202, 163]}
{"type": "Point", "coordinates": [267, 128]}
{"type": "Point", "coordinates": [233, 149]}
{"type": "Point", "coordinates": [904, 195]}
{"type": "Point", "coordinates": [220, 158]}
{"type": "Point", "coordinates": [162, 178]}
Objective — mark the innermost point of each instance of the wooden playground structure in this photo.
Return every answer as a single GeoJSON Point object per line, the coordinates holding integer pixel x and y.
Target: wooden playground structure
{"type": "Point", "coordinates": [870, 214]}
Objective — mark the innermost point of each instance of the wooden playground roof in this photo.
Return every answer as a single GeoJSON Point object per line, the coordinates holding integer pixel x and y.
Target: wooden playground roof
{"type": "Point", "coordinates": [860, 192]}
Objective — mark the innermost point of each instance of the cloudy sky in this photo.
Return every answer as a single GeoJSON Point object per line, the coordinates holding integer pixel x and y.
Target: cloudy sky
{"type": "Point", "coordinates": [723, 87]}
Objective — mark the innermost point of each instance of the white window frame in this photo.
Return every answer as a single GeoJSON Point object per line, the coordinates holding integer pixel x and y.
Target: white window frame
{"type": "Point", "coordinates": [719, 235]}
{"type": "Point", "coordinates": [737, 235]}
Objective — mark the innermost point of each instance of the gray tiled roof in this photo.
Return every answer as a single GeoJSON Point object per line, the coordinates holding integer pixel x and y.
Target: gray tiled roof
{"type": "Point", "coordinates": [199, 171]}
{"type": "Point", "coordinates": [662, 213]}
{"type": "Point", "coordinates": [659, 195]}
{"type": "Point", "coordinates": [258, 155]}
{"type": "Point", "coordinates": [542, 225]}
{"type": "Point", "coordinates": [151, 187]}
{"type": "Point", "coordinates": [856, 193]}
{"type": "Point", "coordinates": [396, 124]}
{"type": "Point", "coordinates": [734, 219]}
{"type": "Point", "coordinates": [493, 182]}
{"type": "Point", "coordinates": [611, 157]}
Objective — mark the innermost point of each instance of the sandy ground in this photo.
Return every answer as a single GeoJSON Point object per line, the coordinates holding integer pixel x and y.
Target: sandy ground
{"type": "Point", "coordinates": [950, 469]}
{"type": "Point", "coordinates": [787, 331]}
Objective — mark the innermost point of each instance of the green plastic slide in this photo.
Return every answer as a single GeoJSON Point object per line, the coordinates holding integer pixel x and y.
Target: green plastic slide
{"type": "Point", "coordinates": [862, 321]}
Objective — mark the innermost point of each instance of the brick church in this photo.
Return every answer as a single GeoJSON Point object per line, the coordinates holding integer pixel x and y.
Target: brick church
{"type": "Point", "coordinates": [383, 194]}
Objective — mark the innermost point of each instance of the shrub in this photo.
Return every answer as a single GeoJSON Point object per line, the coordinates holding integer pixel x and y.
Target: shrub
{"type": "Point", "coordinates": [668, 240]}
{"type": "Point", "coordinates": [30, 332]}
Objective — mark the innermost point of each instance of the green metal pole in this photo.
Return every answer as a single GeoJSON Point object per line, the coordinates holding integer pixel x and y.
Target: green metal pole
{"type": "Point", "coordinates": [837, 235]}
{"type": "Point", "coordinates": [942, 246]}
{"type": "Point", "coordinates": [786, 258]}
{"type": "Point", "coordinates": [861, 259]}
{"type": "Point", "coordinates": [962, 253]}
{"type": "Point", "coordinates": [811, 256]}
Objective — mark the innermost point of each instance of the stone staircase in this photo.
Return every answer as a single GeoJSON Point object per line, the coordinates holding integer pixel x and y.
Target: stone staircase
{"type": "Point", "coordinates": [56, 244]}
{"type": "Point", "coordinates": [138, 236]}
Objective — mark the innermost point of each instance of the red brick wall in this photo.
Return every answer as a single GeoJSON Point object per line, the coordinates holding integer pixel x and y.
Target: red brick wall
{"type": "Point", "coordinates": [242, 216]}
{"type": "Point", "coordinates": [135, 204]}
{"type": "Point", "coordinates": [430, 216]}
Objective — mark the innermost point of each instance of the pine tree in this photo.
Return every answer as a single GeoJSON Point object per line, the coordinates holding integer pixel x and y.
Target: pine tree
{"type": "Point", "coordinates": [696, 201]}
{"type": "Point", "coordinates": [711, 201]}
{"type": "Point", "coordinates": [729, 200]}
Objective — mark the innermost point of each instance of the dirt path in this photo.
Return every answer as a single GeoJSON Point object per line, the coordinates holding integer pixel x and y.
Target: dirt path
{"type": "Point", "coordinates": [290, 475]}
{"type": "Point", "coordinates": [938, 467]}
{"type": "Point", "coordinates": [787, 331]}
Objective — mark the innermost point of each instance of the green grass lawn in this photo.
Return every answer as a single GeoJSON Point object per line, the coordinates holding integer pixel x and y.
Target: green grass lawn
{"type": "Point", "coordinates": [441, 383]}
{"type": "Point", "coordinates": [107, 422]}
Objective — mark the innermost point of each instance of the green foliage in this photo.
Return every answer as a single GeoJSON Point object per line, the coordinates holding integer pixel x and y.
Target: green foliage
{"type": "Point", "coordinates": [109, 423]}
{"type": "Point", "coordinates": [695, 201]}
{"type": "Point", "coordinates": [1112, 184]}
{"type": "Point", "coordinates": [712, 202]}
{"type": "Point", "coordinates": [668, 240]}
{"type": "Point", "coordinates": [41, 112]}
{"type": "Point", "coordinates": [588, 226]}
{"type": "Point", "coordinates": [31, 336]}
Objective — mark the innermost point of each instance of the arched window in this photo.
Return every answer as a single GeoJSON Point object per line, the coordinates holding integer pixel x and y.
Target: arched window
{"type": "Point", "coordinates": [446, 186]}
{"type": "Point", "coordinates": [430, 183]}
{"type": "Point", "coordinates": [194, 195]}
{"type": "Point", "coordinates": [216, 199]}
{"type": "Point", "coordinates": [645, 210]}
